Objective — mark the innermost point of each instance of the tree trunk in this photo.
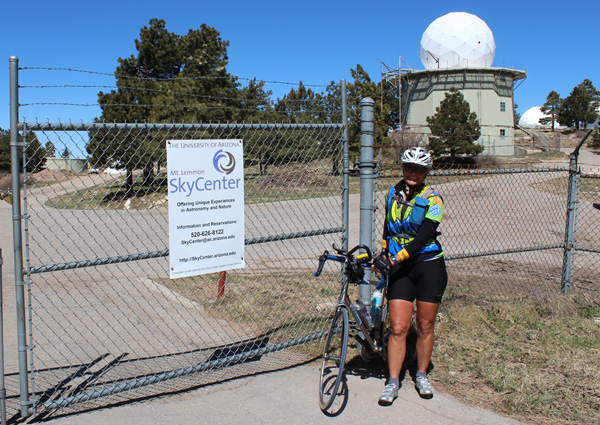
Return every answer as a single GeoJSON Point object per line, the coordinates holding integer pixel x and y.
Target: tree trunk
{"type": "Point", "coordinates": [149, 175]}
{"type": "Point", "coordinates": [129, 183]}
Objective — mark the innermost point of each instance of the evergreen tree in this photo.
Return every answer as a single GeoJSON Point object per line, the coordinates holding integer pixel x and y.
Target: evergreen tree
{"type": "Point", "coordinates": [516, 115]}
{"type": "Point", "coordinates": [255, 102]}
{"type": "Point", "coordinates": [35, 153]}
{"type": "Point", "coordinates": [172, 78]}
{"type": "Point", "coordinates": [580, 107]}
{"type": "Point", "coordinates": [50, 149]}
{"type": "Point", "coordinates": [454, 128]}
{"type": "Point", "coordinates": [299, 104]}
{"type": "Point", "coordinates": [594, 143]}
{"type": "Point", "coordinates": [551, 108]}
{"type": "Point", "coordinates": [385, 108]}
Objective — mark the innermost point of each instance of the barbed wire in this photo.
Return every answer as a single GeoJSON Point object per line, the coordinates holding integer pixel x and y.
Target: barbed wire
{"type": "Point", "coordinates": [412, 128]}
{"type": "Point", "coordinates": [169, 79]}
{"type": "Point", "coordinates": [304, 111]}
{"type": "Point", "coordinates": [270, 101]}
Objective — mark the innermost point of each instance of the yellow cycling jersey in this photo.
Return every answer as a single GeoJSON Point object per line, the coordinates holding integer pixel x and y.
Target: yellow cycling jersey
{"type": "Point", "coordinates": [405, 215]}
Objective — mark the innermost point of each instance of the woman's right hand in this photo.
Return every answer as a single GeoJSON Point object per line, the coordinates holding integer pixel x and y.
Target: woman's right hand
{"type": "Point", "coordinates": [381, 263]}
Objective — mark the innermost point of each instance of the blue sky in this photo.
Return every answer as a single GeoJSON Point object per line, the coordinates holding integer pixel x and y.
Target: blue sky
{"type": "Point", "coordinates": [315, 42]}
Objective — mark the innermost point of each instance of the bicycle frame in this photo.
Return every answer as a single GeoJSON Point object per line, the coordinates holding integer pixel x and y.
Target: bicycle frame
{"type": "Point", "coordinates": [350, 273]}
{"type": "Point", "coordinates": [372, 339]}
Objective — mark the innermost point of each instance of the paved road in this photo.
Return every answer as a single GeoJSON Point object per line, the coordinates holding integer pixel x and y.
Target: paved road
{"type": "Point", "coordinates": [589, 160]}
{"type": "Point", "coordinates": [288, 396]}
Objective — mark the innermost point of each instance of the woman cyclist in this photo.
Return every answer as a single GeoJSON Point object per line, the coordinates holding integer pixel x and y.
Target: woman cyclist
{"type": "Point", "coordinates": [413, 214]}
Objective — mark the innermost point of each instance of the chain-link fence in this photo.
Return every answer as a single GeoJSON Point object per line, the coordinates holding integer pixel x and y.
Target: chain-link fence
{"type": "Point", "coordinates": [503, 230]}
{"type": "Point", "coordinates": [104, 315]}
{"type": "Point", "coordinates": [587, 237]}
{"type": "Point", "coordinates": [99, 320]}
{"type": "Point", "coordinates": [507, 232]}
{"type": "Point", "coordinates": [105, 323]}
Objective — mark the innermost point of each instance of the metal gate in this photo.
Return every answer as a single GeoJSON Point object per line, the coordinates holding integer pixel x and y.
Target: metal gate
{"type": "Point", "coordinates": [101, 321]}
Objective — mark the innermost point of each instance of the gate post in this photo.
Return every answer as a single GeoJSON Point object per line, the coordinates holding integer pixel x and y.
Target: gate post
{"type": "Point", "coordinates": [569, 250]}
{"type": "Point", "coordinates": [2, 388]}
{"type": "Point", "coordinates": [345, 170]}
{"type": "Point", "coordinates": [17, 241]}
{"type": "Point", "coordinates": [366, 166]}
{"type": "Point", "coordinates": [571, 225]}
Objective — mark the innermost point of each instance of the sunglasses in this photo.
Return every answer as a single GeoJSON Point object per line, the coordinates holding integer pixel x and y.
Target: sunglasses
{"type": "Point", "coordinates": [414, 168]}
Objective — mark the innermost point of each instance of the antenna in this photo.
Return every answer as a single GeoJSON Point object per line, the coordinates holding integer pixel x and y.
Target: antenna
{"type": "Point", "coordinates": [436, 59]}
{"type": "Point", "coordinates": [393, 77]}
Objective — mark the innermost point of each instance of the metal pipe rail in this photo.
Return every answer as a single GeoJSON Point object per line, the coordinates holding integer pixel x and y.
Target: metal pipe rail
{"type": "Point", "coordinates": [503, 251]}
{"type": "Point", "coordinates": [70, 126]}
{"type": "Point", "coordinates": [165, 376]}
{"type": "Point", "coordinates": [165, 252]}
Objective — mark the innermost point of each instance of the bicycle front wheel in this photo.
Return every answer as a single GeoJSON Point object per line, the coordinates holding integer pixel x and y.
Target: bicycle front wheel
{"type": "Point", "coordinates": [334, 358]}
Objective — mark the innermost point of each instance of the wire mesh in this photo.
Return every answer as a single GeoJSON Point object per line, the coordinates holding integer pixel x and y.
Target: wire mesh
{"type": "Point", "coordinates": [587, 251]}
{"type": "Point", "coordinates": [503, 230]}
{"type": "Point", "coordinates": [106, 318]}
{"type": "Point", "coordinates": [106, 323]}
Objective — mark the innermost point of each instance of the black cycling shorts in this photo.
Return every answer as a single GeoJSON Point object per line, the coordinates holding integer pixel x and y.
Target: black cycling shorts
{"type": "Point", "coordinates": [426, 281]}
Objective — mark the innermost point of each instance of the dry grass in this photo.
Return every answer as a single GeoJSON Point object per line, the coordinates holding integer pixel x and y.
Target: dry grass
{"type": "Point", "coordinates": [281, 183]}
{"type": "Point", "coordinates": [284, 304]}
{"type": "Point", "coordinates": [532, 359]}
{"type": "Point", "coordinates": [568, 138]}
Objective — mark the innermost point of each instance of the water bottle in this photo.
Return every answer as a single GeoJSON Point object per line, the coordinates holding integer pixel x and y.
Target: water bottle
{"type": "Point", "coordinates": [361, 309]}
{"type": "Point", "coordinates": [376, 300]}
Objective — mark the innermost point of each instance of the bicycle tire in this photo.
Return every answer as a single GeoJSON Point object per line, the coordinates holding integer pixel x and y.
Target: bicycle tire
{"type": "Point", "coordinates": [334, 358]}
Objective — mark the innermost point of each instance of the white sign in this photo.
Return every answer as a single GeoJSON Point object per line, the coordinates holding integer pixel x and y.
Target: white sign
{"type": "Point", "coordinates": [206, 206]}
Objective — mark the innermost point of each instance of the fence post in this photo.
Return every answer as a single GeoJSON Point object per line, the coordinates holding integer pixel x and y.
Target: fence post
{"type": "Point", "coordinates": [17, 241]}
{"type": "Point", "coordinates": [366, 166]}
{"type": "Point", "coordinates": [567, 269]}
{"type": "Point", "coordinates": [345, 170]}
{"type": "Point", "coordinates": [2, 388]}
{"type": "Point", "coordinates": [571, 225]}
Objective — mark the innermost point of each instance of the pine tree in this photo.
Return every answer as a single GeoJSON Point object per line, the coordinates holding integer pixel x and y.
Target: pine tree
{"type": "Point", "coordinates": [580, 107]}
{"type": "Point", "coordinates": [454, 128]}
{"type": "Point", "coordinates": [172, 78]}
{"type": "Point", "coordinates": [551, 108]}
{"type": "Point", "coordinates": [594, 143]}
{"type": "Point", "coordinates": [516, 115]}
{"type": "Point", "coordinates": [35, 153]}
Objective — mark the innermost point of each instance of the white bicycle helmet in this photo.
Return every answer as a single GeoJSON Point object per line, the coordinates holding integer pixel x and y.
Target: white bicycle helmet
{"type": "Point", "coordinates": [417, 156]}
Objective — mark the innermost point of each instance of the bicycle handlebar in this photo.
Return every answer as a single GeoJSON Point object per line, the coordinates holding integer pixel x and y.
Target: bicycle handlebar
{"type": "Point", "coordinates": [361, 259]}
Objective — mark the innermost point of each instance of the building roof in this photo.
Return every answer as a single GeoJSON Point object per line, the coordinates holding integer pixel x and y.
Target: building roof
{"type": "Point", "coordinates": [515, 74]}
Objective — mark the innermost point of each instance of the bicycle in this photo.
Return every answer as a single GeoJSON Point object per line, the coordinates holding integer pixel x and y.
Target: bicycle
{"type": "Point", "coordinates": [372, 339]}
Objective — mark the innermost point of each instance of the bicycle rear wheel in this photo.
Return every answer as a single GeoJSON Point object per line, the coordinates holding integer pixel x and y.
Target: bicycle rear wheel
{"type": "Point", "coordinates": [334, 358]}
{"type": "Point", "coordinates": [380, 335]}
{"type": "Point", "coordinates": [386, 330]}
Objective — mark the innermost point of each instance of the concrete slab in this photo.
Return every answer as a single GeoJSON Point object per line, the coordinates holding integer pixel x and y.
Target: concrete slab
{"type": "Point", "coordinates": [290, 397]}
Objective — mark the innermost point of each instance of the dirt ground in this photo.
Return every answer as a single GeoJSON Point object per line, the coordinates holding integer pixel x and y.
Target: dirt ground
{"type": "Point", "coordinates": [568, 138]}
{"type": "Point", "coordinates": [42, 176]}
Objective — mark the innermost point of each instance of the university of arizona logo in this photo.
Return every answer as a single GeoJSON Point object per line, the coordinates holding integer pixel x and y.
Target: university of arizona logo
{"type": "Point", "coordinates": [224, 162]}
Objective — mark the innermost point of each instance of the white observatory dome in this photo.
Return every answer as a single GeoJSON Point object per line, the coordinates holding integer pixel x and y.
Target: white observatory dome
{"type": "Point", "coordinates": [457, 39]}
{"type": "Point", "coordinates": [531, 119]}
